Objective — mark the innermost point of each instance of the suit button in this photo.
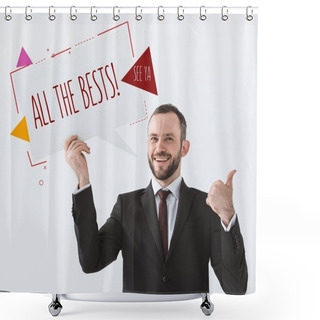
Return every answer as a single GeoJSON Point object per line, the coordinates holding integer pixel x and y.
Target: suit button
{"type": "Point", "coordinates": [164, 279]}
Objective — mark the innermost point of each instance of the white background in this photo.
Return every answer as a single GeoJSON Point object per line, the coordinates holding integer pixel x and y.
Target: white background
{"type": "Point", "coordinates": [287, 180]}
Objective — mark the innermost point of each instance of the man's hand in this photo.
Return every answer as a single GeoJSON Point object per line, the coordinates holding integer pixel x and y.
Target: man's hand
{"type": "Point", "coordinates": [220, 198]}
{"type": "Point", "coordinates": [75, 158]}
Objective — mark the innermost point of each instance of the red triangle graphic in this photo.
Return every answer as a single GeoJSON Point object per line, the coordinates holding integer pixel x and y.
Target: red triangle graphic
{"type": "Point", "coordinates": [141, 74]}
{"type": "Point", "coordinates": [24, 59]}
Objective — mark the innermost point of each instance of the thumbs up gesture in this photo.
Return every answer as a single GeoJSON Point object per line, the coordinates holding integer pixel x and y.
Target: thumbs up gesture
{"type": "Point", "coordinates": [220, 198]}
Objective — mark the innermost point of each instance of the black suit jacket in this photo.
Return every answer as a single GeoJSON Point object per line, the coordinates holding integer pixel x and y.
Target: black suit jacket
{"type": "Point", "coordinates": [133, 228]}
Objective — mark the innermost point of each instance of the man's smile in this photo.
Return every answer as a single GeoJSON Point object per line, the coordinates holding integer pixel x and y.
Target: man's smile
{"type": "Point", "coordinates": [161, 158]}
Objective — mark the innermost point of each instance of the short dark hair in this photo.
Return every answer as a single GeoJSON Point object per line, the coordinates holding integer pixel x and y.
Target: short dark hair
{"type": "Point", "coordinates": [168, 107]}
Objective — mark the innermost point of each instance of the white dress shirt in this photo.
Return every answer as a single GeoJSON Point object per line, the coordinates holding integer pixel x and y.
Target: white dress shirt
{"type": "Point", "coordinates": [172, 202]}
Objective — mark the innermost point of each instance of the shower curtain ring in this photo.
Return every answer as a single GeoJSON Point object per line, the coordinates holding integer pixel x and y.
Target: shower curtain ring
{"type": "Point", "coordinates": [93, 17]}
{"type": "Point", "coordinates": [224, 13]}
{"type": "Point", "coordinates": [51, 15]}
{"type": "Point", "coordinates": [73, 16]}
{"type": "Point", "coordinates": [116, 17]}
{"type": "Point", "coordinates": [203, 13]}
{"type": "Point", "coordinates": [249, 16]}
{"type": "Point", "coordinates": [7, 16]}
{"type": "Point", "coordinates": [138, 16]}
{"type": "Point", "coordinates": [28, 16]}
{"type": "Point", "coordinates": [180, 13]}
{"type": "Point", "coordinates": [160, 16]}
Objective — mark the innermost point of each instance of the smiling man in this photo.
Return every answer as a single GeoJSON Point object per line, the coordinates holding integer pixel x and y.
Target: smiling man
{"type": "Point", "coordinates": [166, 145]}
{"type": "Point", "coordinates": [168, 233]}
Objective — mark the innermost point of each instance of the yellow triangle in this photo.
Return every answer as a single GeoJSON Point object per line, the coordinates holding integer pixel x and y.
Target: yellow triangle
{"type": "Point", "coordinates": [21, 130]}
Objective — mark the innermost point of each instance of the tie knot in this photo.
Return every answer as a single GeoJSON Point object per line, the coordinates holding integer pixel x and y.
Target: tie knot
{"type": "Point", "coordinates": [163, 194]}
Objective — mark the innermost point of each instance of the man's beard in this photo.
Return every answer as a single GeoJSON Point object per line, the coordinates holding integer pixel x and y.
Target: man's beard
{"type": "Point", "coordinates": [164, 175]}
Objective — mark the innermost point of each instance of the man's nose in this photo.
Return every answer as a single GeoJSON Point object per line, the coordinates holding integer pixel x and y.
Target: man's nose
{"type": "Point", "coordinates": [160, 145]}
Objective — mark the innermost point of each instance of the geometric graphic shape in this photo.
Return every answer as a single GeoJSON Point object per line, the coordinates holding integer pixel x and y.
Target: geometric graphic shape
{"type": "Point", "coordinates": [66, 102]}
{"type": "Point", "coordinates": [35, 164]}
{"type": "Point", "coordinates": [24, 59]}
{"type": "Point", "coordinates": [21, 130]}
{"type": "Point", "coordinates": [141, 74]}
{"type": "Point", "coordinates": [142, 119]}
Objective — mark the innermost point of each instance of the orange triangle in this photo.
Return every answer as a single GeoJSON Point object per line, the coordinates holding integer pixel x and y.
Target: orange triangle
{"type": "Point", "coordinates": [21, 130]}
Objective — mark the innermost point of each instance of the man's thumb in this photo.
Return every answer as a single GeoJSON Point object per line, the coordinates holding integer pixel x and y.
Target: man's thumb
{"type": "Point", "coordinates": [229, 181]}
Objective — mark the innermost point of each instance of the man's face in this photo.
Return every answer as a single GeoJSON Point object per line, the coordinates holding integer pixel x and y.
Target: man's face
{"type": "Point", "coordinates": [165, 148]}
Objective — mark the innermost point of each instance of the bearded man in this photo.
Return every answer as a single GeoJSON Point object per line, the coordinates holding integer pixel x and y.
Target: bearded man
{"type": "Point", "coordinates": [168, 233]}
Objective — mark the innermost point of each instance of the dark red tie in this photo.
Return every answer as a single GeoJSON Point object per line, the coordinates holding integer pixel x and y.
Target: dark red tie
{"type": "Point", "coordinates": [163, 220]}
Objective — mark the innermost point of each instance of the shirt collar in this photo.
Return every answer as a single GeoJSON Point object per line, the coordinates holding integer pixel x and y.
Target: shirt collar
{"type": "Point", "coordinates": [174, 187]}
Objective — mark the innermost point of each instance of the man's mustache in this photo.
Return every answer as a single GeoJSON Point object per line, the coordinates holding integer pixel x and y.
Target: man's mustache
{"type": "Point", "coordinates": [161, 154]}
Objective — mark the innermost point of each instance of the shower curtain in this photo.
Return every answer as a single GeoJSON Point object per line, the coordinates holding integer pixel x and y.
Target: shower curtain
{"type": "Point", "coordinates": [99, 73]}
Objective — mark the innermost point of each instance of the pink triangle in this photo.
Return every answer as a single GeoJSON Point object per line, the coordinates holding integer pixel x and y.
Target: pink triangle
{"type": "Point", "coordinates": [24, 59]}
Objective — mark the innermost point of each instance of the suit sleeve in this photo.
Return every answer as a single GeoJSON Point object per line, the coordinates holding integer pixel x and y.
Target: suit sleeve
{"type": "Point", "coordinates": [96, 248]}
{"type": "Point", "coordinates": [228, 258]}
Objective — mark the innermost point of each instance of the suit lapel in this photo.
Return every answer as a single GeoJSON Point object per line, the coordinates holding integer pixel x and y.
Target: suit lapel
{"type": "Point", "coordinates": [149, 208]}
{"type": "Point", "coordinates": [185, 203]}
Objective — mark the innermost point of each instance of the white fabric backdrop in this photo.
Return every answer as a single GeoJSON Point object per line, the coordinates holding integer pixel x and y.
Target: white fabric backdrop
{"type": "Point", "coordinates": [207, 69]}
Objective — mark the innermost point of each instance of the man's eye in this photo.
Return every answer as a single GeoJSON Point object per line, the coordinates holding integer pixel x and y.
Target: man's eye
{"type": "Point", "coordinates": [169, 139]}
{"type": "Point", "coordinates": [153, 139]}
